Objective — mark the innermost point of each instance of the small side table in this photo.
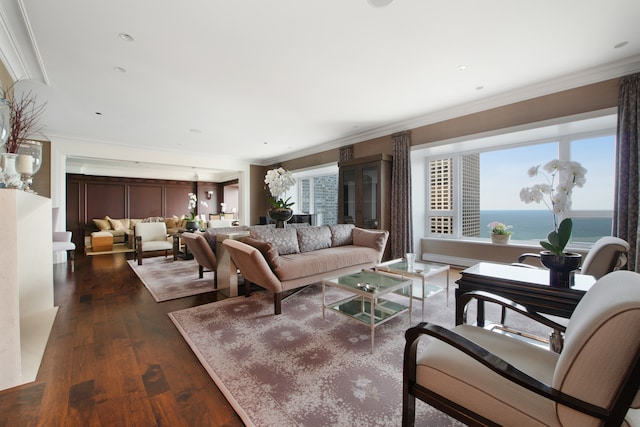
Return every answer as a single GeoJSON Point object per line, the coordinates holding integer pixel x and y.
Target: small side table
{"type": "Point", "coordinates": [420, 270]}
{"type": "Point", "coordinates": [227, 270]}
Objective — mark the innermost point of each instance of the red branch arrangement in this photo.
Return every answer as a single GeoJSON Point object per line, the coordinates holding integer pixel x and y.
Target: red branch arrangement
{"type": "Point", "coordinates": [25, 113]}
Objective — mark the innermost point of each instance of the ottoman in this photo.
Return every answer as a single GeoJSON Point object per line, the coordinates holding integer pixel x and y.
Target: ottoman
{"type": "Point", "coordinates": [101, 241]}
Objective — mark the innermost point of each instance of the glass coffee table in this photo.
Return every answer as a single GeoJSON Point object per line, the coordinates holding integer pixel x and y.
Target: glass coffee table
{"type": "Point", "coordinates": [367, 289]}
{"type": "Point", "coordinates": [420, 270]}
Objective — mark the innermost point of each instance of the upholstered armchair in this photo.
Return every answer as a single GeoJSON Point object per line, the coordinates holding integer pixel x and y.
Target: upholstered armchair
{"type": "Point", "coordinates": [203, 254]}
{"type": "Point", "coordinates": [484, 378]}
{"type": "Point", "coordinates": [62, 239]}
{"type": "Point", "coordinates": [606, 255]}
{"type": "Point", "coordinates": [151, 237]}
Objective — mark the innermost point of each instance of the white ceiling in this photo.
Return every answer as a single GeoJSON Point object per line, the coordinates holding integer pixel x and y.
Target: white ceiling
{"type": "Point", "coordinates": [263, 81]}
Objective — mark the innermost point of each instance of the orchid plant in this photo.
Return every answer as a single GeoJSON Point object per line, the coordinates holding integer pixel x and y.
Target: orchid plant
{"type": "Point", "coordinates": [193, 202]}
{"type": "Point", "coordinates": [279, 182]}
{"type": "Point", "coordinates": [561, 177]}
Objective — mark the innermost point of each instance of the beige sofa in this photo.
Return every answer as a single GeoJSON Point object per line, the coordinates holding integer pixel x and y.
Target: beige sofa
{"type": "Point", "coordinates": [122, 229]}
{"type": "Point", "coordinates": [280, 260]}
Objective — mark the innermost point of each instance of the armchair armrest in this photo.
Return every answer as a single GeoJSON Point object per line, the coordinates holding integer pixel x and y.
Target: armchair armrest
{"type": "Point", "coordinates": [62, 236]}
{"type": "Point", "coordinates": [491, 361]}
{"type": "Point", "coordinates": [508, 304]}
{"type": "Point", "coordinates": [524, 256]}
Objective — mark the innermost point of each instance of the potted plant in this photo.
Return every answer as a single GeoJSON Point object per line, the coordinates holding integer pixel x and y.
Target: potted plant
{"type": "Point", "coordinates": [192, 223]}
{"type": "Point", "coordinates": [279, 182]}
{"type": "Point", "coordinates": [499, 232]}
{"type": "Point", "coordinates": [561, 177]}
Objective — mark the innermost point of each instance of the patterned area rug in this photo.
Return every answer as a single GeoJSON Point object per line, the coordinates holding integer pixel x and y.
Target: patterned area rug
{"type": "Point", "coordinates": [167, 279]}
{"type": "Point", "coordinates": [298, 369]}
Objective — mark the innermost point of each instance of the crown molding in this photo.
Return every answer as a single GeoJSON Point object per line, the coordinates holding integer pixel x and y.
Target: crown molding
{"type": "Point", "coordinates": [593, 75]}
{"type": "Point", "coordinates": [18, 50]}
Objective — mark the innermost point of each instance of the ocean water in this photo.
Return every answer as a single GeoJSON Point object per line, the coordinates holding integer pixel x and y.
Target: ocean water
{"type": "Point", "coordinates": [536, 224]}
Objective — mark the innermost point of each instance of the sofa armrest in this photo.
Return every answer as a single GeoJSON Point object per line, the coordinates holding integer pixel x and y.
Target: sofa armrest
{"type": "Point", "coordinates": [252, 265]}
{"type": "Point", "coordinates": [376, 239]}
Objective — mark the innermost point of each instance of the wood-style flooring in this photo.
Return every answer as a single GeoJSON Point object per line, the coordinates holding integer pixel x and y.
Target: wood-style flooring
{"type": "Point", "coordinates": [115, 359]}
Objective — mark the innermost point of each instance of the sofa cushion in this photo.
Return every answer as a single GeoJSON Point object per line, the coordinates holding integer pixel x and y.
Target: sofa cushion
{"type": "Point", "coordinates": [102, 224]}
{"type": "Point", "coordinates": [171, 222]}
{"type": "Point", "coordinates": [341, 234]}
{"type": "Point", "coordinates": [327, 260]}
{"type": "Point", "coordinates": [268, 250]}
{"type": "Point", "coordinates": [313, 238]}
{"type": "Point", "coordinates": [373, 238]}
{"type": "Point", "coordinates": [285, 240]}
{"type": "Point", "coordinates": [117, 224]}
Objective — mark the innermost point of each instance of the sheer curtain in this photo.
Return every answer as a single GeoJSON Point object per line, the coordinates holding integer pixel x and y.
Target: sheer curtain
{"type": "Point", "coordinates": [401, 232]}
{"type": "Point", "coordinates": [625, 213]}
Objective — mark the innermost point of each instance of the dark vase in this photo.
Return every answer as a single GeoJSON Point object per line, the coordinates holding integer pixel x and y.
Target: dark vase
{"type": "Point", "coordinates": [192, 225]}
{"type": "Point", "coordinates": [280, 216]}
{"type": "Point", "coordinates": [560, 267]}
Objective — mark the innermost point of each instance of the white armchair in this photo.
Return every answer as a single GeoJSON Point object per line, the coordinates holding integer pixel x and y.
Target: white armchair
{"type": "Point", "coordinates": [62, 239]}
{"type": "Point", "coordinates": [151, 237]}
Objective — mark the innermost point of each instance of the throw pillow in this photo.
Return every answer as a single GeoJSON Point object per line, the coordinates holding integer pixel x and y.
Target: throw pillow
{"type": "Point", "coordinates": [116, 224]}
{"type": "Point", "coordinates": [371, 238]}
{"type": "Point", "coordinates": [313, 238]}
{"type": "Point", "coordinates": [170, 222]}
{"type": "Point", "coordinates": [102, 224]}
{"type": "Point", "coordinates": [341, 234]}
{"type": "Point", "coordinates": [267, 249]}
{"type": "Point", "coordinates": [261, 233]}
{"type": "Point", "coordinates": [285, 240]}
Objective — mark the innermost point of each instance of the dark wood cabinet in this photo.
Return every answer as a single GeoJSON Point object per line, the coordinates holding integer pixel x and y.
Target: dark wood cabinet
{"type": "Point", "coordinates": [364, 192]}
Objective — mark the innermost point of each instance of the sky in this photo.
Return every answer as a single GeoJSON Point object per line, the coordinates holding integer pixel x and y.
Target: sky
{"type": "Point", "coordinates": [504, 173]}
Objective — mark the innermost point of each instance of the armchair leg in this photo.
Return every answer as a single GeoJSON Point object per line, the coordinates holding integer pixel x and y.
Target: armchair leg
{"type": "Point", "coordinates": [72, 256]}
{"type": "Point", "coordinates": [215, 279]}
{"type": "Point", "coordinates": [247, 288]}
{"type": "Point", "coordinates": [200, 271]}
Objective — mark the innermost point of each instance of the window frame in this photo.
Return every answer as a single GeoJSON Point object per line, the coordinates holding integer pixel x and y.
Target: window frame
{"type": "Point", "coordinates": [563, 139]}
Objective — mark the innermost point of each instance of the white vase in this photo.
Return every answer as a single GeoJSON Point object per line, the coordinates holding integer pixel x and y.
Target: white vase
{"type": "Point", "coordinates": [500, 238]}
{"type": "Point", "coordinates": [11, 175]}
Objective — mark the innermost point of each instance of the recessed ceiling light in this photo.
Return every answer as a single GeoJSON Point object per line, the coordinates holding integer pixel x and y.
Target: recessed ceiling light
{"type": "Point", "coordinates": [380, 3]}
{"type": "Point", "coordinates": [120, 69]}
{"type": "Point", "coordinates": [479, 87]}
{"type": "Point", "coordinates": [126, 37]}
{"type": "Point", "coordinates": [98, 113]}
{"type": "Point", "coordinates": [194, 130]}
{"type": "Point", "coordinates": [462, 67]}
{"type": "Point", "coordinates": [621, 44]}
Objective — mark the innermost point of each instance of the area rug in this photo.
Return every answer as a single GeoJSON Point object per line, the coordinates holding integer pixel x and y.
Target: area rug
{"type": "Point", "coordinates": [298, 369]}
{"type": "Point", "coordinates": [167, 279]}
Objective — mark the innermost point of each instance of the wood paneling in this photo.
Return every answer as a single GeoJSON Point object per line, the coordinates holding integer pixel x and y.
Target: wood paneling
{"type": "Point", "coordinates": [146, 201]}
{"type": "Point", "coordinates": [90, 197]}
{"type": "Point", "coordinates": [105, 199]}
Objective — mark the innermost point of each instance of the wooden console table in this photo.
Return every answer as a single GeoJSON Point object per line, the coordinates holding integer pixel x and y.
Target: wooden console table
{"type": "Point", "coordinates": [526, 286]}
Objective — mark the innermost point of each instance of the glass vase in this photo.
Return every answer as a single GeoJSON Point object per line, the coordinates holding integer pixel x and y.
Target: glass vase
{"type": "Point", "coordinates": [11, 175]}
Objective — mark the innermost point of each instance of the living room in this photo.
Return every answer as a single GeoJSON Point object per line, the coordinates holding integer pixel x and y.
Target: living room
{"type": "Point", "coordinates": [198, 154]}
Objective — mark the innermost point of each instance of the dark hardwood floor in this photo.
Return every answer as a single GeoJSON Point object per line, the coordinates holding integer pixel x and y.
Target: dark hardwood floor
{"type": "Point", "coordinates": [115, 359]}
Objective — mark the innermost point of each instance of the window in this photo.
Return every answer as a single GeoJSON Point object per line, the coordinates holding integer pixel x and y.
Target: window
{"type": "Point", "coordinates": [317, 193]}
{"type": "Point", "coordinates": [467, 189]}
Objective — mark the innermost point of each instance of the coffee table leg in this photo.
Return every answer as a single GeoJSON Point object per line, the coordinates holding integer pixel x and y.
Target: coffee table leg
{"type": "Point", "coordinates": [323, 301]}
{"type": "Point", "coordinates": [373, 324]}
{"type": "Point", "coordinates": [447, 288]}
